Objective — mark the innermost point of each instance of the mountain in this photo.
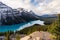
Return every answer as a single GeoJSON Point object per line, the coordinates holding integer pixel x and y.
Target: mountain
{"type": "Point", "coordinates": [4, 11]}
{"type": "Point", "coordinates": [9, 16]}
{"type": "Point", "coordinates": [50, 15]}
{"type": "Point", "coordinates": [48, 18]}
{"type": "Point", "coordinates": [28, 16]}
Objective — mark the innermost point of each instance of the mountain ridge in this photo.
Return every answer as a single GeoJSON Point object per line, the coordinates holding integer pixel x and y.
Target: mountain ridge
{"type": "Point", "coordinates": [11, 16]}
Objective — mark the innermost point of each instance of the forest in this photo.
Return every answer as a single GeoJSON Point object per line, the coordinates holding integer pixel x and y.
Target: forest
{"type": "Point", "coordinates": [53, 28]}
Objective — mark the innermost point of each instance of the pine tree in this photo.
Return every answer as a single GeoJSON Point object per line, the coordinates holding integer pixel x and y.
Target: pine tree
{"type": "Point", "coordinates": [55, 28]}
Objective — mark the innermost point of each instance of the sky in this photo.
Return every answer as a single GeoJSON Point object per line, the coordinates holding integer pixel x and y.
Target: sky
{"type": "Point", "coordinates": [39, 7]}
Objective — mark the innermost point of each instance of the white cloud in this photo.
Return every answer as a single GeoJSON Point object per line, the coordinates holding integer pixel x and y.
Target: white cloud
{"type": "Point", "coordinates": [43, 6]}
{"type": "Point", "coordinates": [52, 7]}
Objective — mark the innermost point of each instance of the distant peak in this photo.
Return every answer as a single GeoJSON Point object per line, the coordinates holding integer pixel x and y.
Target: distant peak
{"type": "Point", "coordinates": [1, 3]}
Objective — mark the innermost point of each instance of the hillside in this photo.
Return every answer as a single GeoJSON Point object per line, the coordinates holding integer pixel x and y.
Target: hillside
{"type": "Point", "coordinates": [33, 28]}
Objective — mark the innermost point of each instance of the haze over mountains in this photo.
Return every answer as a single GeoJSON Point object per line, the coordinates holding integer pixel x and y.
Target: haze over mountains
{"type": "Point", "coordinates": [9, 16]}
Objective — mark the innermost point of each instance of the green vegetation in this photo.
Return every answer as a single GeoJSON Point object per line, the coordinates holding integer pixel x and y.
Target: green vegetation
{"type": "Point", "coordinates": [53, 28]}
{"type": "Point", "coordinates": [18, 36]}
{"type": "Point", "coordinates": [33, 28]}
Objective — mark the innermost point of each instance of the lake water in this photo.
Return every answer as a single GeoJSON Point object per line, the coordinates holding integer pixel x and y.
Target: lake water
{"type": "Point", "coordinates": [19, 26]}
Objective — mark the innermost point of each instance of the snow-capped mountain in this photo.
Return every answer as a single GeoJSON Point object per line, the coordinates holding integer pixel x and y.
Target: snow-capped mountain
{"type": "Point", "coordinates": [10, 16]}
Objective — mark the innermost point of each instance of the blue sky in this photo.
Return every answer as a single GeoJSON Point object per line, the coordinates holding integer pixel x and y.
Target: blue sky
{"type": "Point", "coordinates": [38, 6]}
{"type": "Point", "coordinates": [34, 3]}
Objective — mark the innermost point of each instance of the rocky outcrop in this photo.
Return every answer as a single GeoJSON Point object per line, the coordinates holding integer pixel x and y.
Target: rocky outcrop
{"type": "Point", "coordinates": [38, 36]}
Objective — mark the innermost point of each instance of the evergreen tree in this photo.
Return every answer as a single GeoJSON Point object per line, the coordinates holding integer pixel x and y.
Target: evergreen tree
{"type": "Point", "coordinates": [55, 28]}
{"type": "Point", "coordinates": [18, 36]}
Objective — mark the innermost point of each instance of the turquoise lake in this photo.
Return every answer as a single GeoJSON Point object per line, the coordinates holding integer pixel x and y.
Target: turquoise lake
{"type": "Point", "coordinates": [20, 26]}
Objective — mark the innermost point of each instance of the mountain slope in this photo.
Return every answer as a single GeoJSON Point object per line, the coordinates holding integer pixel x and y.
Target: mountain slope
{"type": "Point", "coordinates": [9, 16]}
